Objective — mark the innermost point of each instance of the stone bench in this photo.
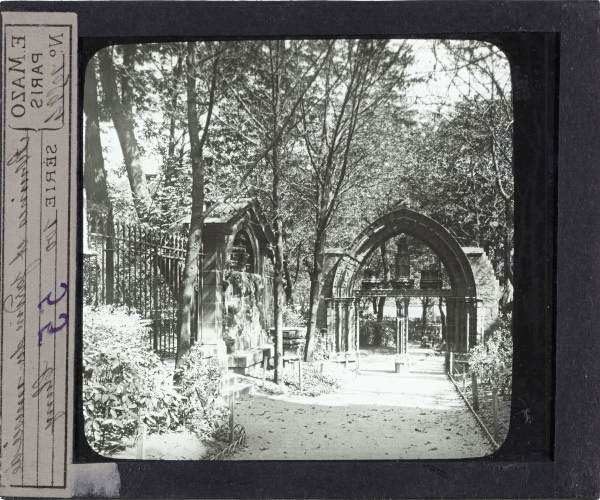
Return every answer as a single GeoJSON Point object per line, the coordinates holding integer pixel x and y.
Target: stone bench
{"type": "Point", "coordinates": [239, 362]}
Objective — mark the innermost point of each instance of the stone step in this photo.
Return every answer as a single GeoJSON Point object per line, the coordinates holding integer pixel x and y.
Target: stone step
{"type": "Point", "coordinates": [228, 380]}
{"type": "Point", "coordinates": [240, 390]}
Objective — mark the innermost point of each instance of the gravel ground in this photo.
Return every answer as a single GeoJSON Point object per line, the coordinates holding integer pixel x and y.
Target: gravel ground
{"type": "Point", "coordinates": [379, 414]}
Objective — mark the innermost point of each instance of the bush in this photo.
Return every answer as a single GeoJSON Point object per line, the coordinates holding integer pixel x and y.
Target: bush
{"type": "Point", "coordinates": [320, 351]}
{"type": "Point", "coordinates": [312, 384]}
{"type": "Point", "coordinates": [373, 332]}
{"type": "Point", "coordinates": [492, 361]}
{"type": "Point", "coordinates": [203, 408]}
{"type": "Point", "coordinates": [292, 317]}
{"type": "Point", "coordinates": [125, 383]}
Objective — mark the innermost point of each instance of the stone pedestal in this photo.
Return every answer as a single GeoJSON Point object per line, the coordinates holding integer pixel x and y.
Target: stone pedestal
{"type": "Point", "coordinates": [293, 338]}
{"type": "Point", "coordinates": [402, 363]}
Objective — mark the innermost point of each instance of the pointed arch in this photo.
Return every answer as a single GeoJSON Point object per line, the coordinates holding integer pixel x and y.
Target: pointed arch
{"type": "Point", "coordinates": [414, 224]}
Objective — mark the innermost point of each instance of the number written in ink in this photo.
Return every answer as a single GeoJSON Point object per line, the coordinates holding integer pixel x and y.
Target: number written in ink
{"type": "Point", "coordinates": [49, 328]}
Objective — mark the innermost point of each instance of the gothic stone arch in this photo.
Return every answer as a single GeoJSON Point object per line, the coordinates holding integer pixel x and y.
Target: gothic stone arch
{"type": "Point", "coordinates": [342, 269]}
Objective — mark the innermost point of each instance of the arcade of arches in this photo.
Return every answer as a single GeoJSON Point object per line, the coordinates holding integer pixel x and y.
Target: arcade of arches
{"type": "Point", "coordinates": [471, 294]}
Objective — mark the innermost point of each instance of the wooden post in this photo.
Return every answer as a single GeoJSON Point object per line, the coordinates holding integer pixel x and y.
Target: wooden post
{"type": "Point", "coordinates": [495, 396]}
{"type": "Point", "coordinates": [300, 373]}
{"type": "Point", "coordinates": [264, 368]}
{"type": "Point", "coordinates": [474, 389]}
{"type": "Point", "coordinates": [398, 328]}
{"type": "Point", "coordinates": [322, 371]}
{"type": "Point", "coordinates": [141, 441]}
{"type": "Point", "coordinates": [451, 363]}
{"type": "Point", "coordinates": [464, 377]}
{"type": "Point", "coordinates": [231, 423]}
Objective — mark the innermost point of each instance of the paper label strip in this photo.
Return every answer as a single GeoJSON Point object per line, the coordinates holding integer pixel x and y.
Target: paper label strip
{"type": "Point", "coordinates": [38, 250]}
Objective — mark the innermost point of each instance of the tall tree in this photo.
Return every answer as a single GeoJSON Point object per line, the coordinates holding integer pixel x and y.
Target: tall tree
{"type": "Point", "coordinates": [359, 77]}
{"type": "Point", "coordinates": [281, 74]}
{"type": "Point", "coordinates": [94, 173]}
{"type": "Point", "coordinates": [120, 108]}
{"type": "Point", "coordinates": [194, 242]}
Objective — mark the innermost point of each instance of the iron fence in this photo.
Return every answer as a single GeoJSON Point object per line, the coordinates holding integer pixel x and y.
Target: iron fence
{"type": "Point", "coordinates": [141, 268]}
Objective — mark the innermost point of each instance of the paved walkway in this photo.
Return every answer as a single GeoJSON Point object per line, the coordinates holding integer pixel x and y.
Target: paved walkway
{"type": "Point", "coordinates": [378, 415]}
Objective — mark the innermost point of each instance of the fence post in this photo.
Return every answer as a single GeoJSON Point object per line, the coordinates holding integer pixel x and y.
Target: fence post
{"type": "Point", "coordinates": [451, 369]}
{"type": "Point", "coordinates": [110, 271]}
{"type": "Point", "coordinates": [464, 377]}
{"type": "Point", "coordinates": [322, 371]}
{"type": "Point", "coordinates": [495, 396]}
{"type": "Point", "coordinates": [155, 305]}
{"type": "Point", "coordinates": [474, 389]}
{"type": "Point", "coordinates": [141, 438]}
{"type": "Point", "coordinates": [300, 374]}
{"type": "Point", "coordinates": [231, 422]}
{"type": "Point", "coordinates": [264, 368]}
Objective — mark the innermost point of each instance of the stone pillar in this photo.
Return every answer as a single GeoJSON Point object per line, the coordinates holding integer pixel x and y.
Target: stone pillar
{"type": "Point", "coordinates": [357, 323]}
{"type": "Point", "coordinates": [472, 307]}
{"type": "Point", "coordinates": [330, 323]}
{"type": "Point", "coordinates": [351, 325]}
{"type": "Point", "coordinates": [451, 330]}
{"type": "Point", "coordinates": [402, 360]}
{"type": "Point", "coordinates": [338, 343]}
{"type": "Point", "coordinates": [464, 324]}
{"type": "Point", "coordinates": [211, 327]}
{"type": "Point", "coordinates": [406, 304]}
{"type": "Point", "coordinates": [399, 328]}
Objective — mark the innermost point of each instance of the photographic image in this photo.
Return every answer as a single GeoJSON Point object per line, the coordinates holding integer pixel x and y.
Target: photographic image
{"type": "Point", "coordinates": [298, 249]}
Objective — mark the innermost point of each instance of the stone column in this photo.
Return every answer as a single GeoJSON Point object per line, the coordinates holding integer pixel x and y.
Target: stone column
{"type": "Point", "coordinates": [330, 321]}
{"type": "Point", "coordinates": [402, 361]}
{"type": "Point", "coordinates": [472, 308]}
{"type": "Point", "coordinates": [399, 327]}
{"type": "Point", "coordinates": [463, 321]}
{"type": "Point", "coordinates": [338, 307]}
{"type": "Point", "coordinates": [450, 324]}
{"type": "Point", "coordinates": [351, 325]}
{"type": "Point", "coordinates": [211, 327]}
{"type": "Point", "coordinates": [357, 323]}
{"type": "Point", "coordinates": [406, 303]}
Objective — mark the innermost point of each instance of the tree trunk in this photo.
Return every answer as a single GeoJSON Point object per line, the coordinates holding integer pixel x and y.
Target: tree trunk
{"type": "Point", "coordinates": [121, 113]}
{"type": "Point", "coordinates": [289, 285]}
{"type": "Point", "coordinates": [190, 271]}
{"type": "Point", "coordinates": [278, 274]}
{"type": "Point", "coordinates": [170, 170]}
{"type": "Point", "coordinates": [315, 292]}
{"type": "Point", "coordinates": [278, 280]}
{"type": "Point", "coordinates": [194, 244]}
{"type": "Point", "coordinates": [94, 173]}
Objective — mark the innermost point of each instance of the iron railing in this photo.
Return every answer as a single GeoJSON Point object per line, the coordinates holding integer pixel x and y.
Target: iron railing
{"type": "Point", "coordinates": [141, 268]}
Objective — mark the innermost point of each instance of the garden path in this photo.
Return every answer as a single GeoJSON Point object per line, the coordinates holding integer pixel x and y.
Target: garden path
{"type": "Point", "coordinates": [378, 415]}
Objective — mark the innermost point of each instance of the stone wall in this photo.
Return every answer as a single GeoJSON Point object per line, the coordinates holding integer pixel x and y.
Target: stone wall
{"type": "Point", "coordinates": [488, 287]}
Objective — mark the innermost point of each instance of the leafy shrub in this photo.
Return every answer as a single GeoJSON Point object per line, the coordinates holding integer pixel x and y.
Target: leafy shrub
{"type": "Point", "coordinates": [492, 360]}
{"type": "Point", "coordinates": [379, 333]}
{"type": "Point", "coordinates": [292, 317]}
{"type": "Point", "coordinates": [312, 384]}
{"type": "Point", "coordinates": [320, 351]}
{"type": "Point", "coordinates": [124, 381]}
{"type": "Point", "coordinates": [203, 408]}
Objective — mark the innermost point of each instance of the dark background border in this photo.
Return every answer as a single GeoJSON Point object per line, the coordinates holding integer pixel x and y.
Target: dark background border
{"type": "Point", "coordinates": [554, 49]}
